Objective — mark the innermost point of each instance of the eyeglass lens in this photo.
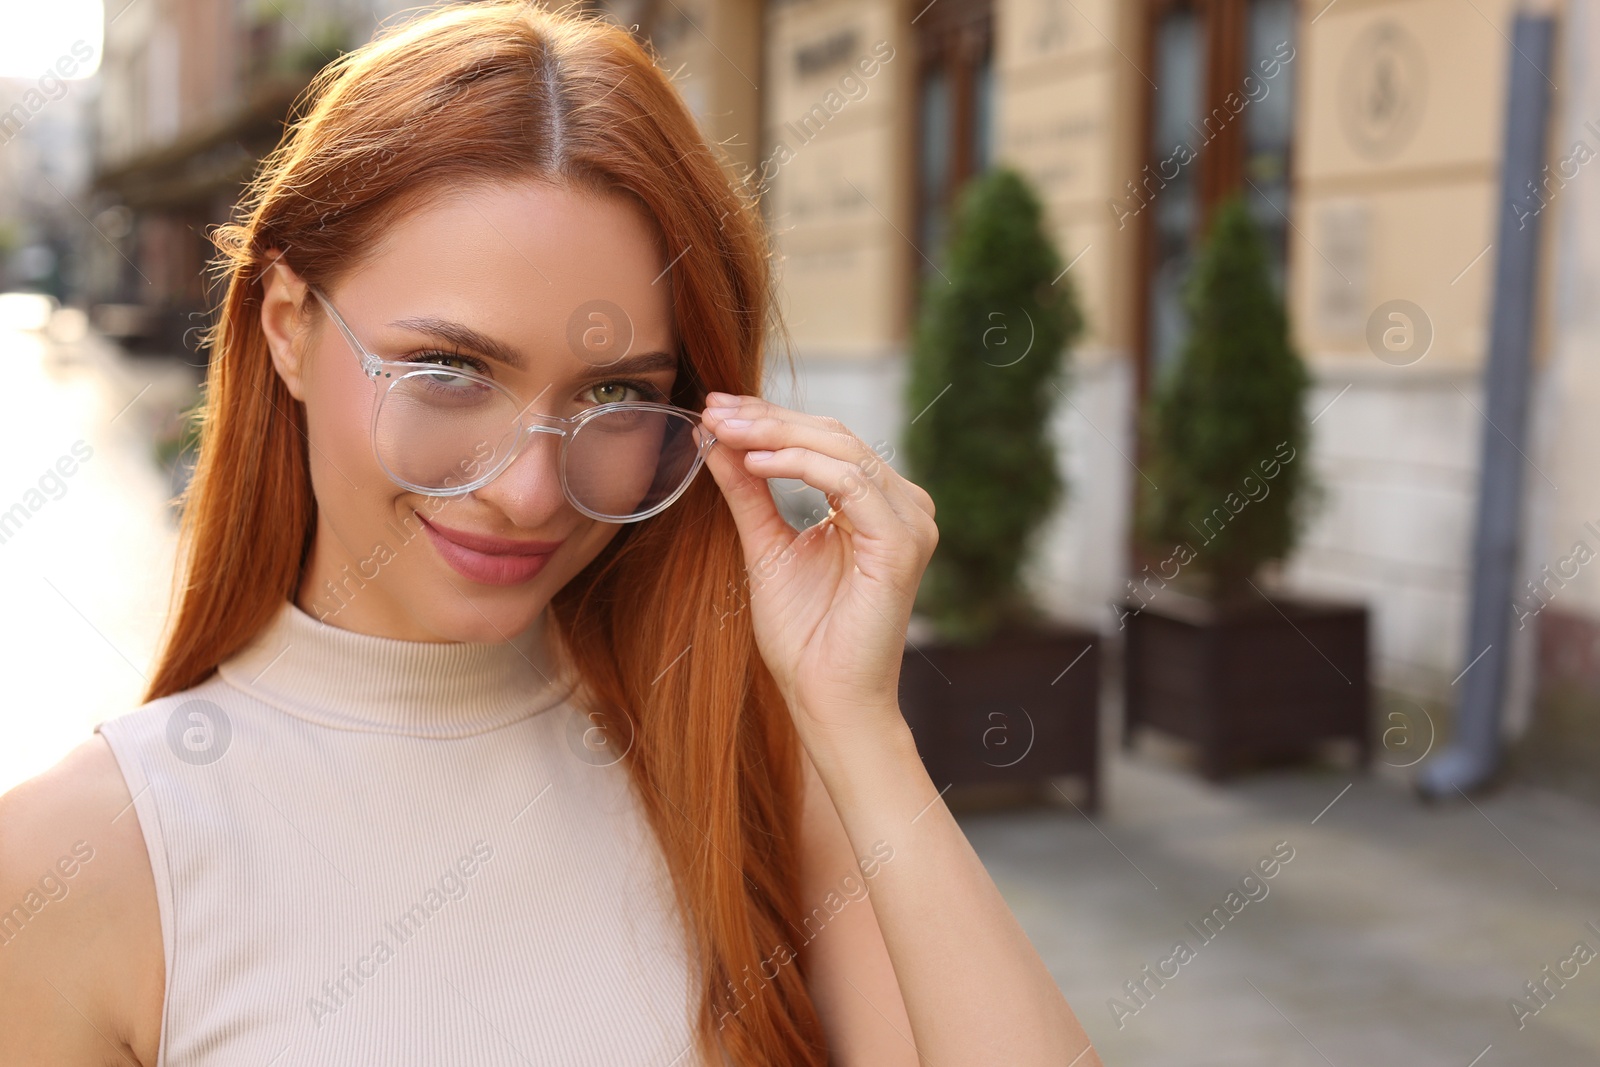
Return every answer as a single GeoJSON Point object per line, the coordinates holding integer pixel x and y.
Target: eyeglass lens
{"type": "Point", "coordinates": [437, 430]}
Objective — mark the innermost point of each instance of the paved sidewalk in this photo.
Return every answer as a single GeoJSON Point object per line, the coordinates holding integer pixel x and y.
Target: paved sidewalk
{"type": "Point", "coordinates": [86, 564]}
{"type": "Point", "coordinates": [1397, 934]}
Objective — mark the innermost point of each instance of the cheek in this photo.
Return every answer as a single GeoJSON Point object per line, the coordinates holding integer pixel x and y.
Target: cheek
{"type": "Point", "coordinates": [588, 540]}
{"type": "Point", "coordinates": [339, 416]}
{"type": "Point", "coordinates": [354, 496]}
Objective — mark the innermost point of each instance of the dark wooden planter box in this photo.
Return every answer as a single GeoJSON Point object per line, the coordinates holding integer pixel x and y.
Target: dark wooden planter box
{"type": "Point", "coordinates": [1016, 710]}
{"type": "Point", "coordinates": [1258, 681]}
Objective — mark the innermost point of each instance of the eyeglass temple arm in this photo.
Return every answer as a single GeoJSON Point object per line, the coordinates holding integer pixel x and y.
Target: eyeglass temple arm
{"type": "Point", "coordinates": [369, 362]}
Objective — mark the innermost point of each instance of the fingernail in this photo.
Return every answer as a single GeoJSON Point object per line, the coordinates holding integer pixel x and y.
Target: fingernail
{"type": "Point", "coordinates": [759, 454]}
{"type": "Point", "coordinates": [736, 423]}
{"type": "Point", "coordinates": [713, 399]}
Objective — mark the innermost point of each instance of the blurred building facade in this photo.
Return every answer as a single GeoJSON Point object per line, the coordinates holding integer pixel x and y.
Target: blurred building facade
{"type": "Point", "coordinates": [43, 169]}
{"type": "Point", "coordinates": [193, 93]}
{"type": "Point", "coordinates": [1365, 134]}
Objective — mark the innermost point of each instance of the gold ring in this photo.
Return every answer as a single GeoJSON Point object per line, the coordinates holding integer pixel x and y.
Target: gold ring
{"type": "Point", "coordinates": [837, 516]}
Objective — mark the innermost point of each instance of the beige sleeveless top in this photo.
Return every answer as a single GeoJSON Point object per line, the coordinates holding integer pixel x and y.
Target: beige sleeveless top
{"type": "Point", "coordinates": [375, 851]}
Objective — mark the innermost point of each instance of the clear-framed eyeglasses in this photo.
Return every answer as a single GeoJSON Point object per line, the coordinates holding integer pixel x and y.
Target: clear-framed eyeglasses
{"type": "Point", "coordinates": [443, 430]}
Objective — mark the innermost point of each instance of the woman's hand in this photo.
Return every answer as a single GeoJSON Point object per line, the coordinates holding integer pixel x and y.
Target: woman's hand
{"type": "Point", "coordinates": [829, 607]}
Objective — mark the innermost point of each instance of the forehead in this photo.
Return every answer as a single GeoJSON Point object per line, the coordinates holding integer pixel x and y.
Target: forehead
{"type": "Point", "coordinates": [520, 261]}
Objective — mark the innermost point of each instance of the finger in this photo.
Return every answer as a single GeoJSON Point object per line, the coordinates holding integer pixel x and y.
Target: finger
{"type": "Point", "coordinates": [764, 431]}
{"type": "Point", "coordinates": [817, 432]}
{"type": "Point", "coordinates": [759, 424]}
{"type": "Point", "coordinates": [762, 529]}
{"type": "Point", "coordinates": [860, 500]}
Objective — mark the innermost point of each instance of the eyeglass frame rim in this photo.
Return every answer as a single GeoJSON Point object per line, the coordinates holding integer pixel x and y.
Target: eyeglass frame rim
{"type": "Point", "coordinates": [372, 365]}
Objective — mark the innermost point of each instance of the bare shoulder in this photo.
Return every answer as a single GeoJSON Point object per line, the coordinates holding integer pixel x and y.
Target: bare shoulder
{"type": "Point", "coordinates": [81, 963]}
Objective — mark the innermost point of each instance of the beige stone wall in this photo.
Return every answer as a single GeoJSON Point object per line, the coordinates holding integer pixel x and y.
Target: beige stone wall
{"type": "Point", "coordinates": [1382, 209]}
{"type": "Point", "coordinates": [713, 49]}
{"type": "Point", "coordinates": [1069, 108]}
{"type": "Point", "coordinates": [1402, 203]}
{"type": "Point", "coordinates": [1397, 173]}
{"type": "Point", "coordinates": [837, 130]}
{"type": "Point", "coordinates": [841, 201]}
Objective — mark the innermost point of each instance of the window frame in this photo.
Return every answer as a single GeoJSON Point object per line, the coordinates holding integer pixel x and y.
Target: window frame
{"type": "Point", "coordinates": [1221, 162]}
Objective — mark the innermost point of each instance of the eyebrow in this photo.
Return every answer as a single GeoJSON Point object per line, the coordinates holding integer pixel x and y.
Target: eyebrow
{"type": "Point", "coordinates": [463, 336]}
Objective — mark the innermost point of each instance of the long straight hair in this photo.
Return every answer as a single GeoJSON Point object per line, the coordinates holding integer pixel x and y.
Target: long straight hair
{"type": "Point", "coordinates": [506, 91]}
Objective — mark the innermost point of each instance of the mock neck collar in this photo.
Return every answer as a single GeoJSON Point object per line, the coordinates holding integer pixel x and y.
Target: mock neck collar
{"type": "Point", "coordinates": [356, 681]}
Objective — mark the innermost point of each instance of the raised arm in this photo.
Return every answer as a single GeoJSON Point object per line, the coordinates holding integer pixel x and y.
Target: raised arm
{"type": "Point", "coordinates": [851, 977]}
{"type": "Point", "coordinates": [830, 606]}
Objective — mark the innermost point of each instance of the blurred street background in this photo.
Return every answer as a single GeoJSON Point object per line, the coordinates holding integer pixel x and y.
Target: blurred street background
{"type": "Point", "coordinates": [1418, 174]}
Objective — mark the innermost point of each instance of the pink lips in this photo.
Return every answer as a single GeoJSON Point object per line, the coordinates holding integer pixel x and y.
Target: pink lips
{"type": "Point", "coordinates": [490, 560]}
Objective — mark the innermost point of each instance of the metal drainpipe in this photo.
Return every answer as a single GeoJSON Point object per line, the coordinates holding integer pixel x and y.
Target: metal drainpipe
{"type": "Point", "coordinates": [1473, 755]}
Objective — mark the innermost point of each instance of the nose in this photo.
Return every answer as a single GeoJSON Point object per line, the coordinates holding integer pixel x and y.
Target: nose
{"type": "Point", "coordinates": [529, 491]}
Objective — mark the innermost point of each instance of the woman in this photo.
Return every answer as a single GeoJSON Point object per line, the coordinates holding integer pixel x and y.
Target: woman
{"type": "Point", "coordinates": [484, 730]}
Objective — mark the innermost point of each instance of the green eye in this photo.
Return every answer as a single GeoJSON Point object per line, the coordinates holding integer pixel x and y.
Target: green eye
{"type": "Point", "coordinates": [611, 392]}
{"type": "Point", "coordinates": [617, 390]}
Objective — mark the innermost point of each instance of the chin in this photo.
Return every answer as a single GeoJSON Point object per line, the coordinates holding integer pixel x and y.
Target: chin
{"type": "Point", "coordinates": [459, 611]}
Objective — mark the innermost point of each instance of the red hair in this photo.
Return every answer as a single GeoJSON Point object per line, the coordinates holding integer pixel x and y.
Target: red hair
{"type": "Point", "coordinates": [506, 92]}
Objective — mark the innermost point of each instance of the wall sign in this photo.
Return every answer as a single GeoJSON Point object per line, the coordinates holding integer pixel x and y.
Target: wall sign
{"type": "Point", "coordinates": [1382, 90]}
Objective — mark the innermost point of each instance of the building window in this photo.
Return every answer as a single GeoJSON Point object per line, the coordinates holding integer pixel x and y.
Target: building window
{"type": "Point", "coordinates": [955, 112]}
{"type": "Point", "coordinates": [1219, 122]}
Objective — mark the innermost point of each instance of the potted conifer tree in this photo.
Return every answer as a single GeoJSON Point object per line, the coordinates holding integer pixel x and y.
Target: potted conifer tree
{"type": "Point", "coordinates": [995, 691]}
{"type": "Point", "coordinates": [1215, 653]}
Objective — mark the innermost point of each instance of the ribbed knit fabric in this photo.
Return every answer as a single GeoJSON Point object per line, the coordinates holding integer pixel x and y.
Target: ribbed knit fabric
{"type": "Point", "coordinates": [374, 851]}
